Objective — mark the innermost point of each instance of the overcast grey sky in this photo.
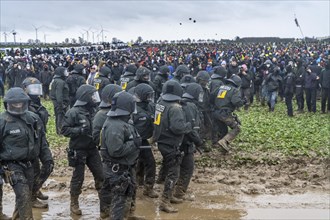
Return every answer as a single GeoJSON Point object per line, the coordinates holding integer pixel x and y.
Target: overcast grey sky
{"type": "Point", "coordinates": [160, 20]}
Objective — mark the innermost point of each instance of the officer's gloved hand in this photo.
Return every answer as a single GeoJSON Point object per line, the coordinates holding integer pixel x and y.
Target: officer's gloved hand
{"type": "Point", "coordinates": [189, 127]}
{"type": "Point", "coordinates": [48, 166]}
{"type": "Point", "coordinates": [137, 141]}
{"type": "Point", "coordinates": [84, 130]}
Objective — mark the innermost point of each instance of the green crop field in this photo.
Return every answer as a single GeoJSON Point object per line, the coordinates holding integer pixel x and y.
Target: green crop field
{"type": "Point", "coordinates": [265, 137]}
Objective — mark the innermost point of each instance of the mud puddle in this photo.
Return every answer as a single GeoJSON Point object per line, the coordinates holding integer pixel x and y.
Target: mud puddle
{"type": "Point", "coordinates": [211, 201]}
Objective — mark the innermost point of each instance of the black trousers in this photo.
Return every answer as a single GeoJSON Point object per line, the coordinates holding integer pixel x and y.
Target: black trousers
{"type": "Point", "coordinates": [300, 98]}
{"type": "Point", "coordinates": [325, 99]}
{"type": "Point", "coordinates": [21, 181]}
{"type": "Point", "coordinates": [146, 167]}
{"type": "Point", "coordinates": [288, 102]}
{"type": "Point", "coordinates": [92, 159]}
{"type": "Point", "coordinates": [117, 192]}
{"type": "Point", "coordinates": [171, 163]}
{"type": "Point", "coordinates": [311, 99]}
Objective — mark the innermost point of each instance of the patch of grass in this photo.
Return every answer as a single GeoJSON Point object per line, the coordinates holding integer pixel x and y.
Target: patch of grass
{"type": "Point", "coordinates": [55, 141]}
{"type": "Point", "coordinates": [304, 134]}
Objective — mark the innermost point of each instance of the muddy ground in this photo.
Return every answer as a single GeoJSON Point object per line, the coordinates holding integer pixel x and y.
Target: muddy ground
{"type": "Point", "coordinates": [291, 188]}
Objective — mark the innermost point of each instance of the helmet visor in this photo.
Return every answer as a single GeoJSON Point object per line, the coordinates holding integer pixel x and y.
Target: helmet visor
{"type": "Point", "coordinates": [17, 108]}
{"type": "Point", "coordinates": [134, 108]}
{"type": "Point", "coordinates": [96, 97]}
{"type": "Point", "coordinates": [34, 89]}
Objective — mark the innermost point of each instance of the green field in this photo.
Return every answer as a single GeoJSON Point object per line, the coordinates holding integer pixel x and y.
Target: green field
{"type": "Point", "coordinates": [265, 137]}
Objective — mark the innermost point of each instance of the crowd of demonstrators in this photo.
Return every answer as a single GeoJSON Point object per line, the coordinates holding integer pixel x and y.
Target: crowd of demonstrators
{"type": "Point", "coordinates": [114, 104]}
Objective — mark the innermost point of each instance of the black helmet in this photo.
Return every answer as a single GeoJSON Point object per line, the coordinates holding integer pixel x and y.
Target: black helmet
{"type": "Point", "coordinates": [194, 91]}
{"type": "Point", "coordinates": [132, 91]}
{"type": "Point", "coordinates": [185, 80]}
{"type": "Point", "coordinates": [16, 101]}
{"type": "Point", "coordinates": [235, 80]}
{"type": "Point", "coordinates": [142, 74]}
{"type": "Point", "coordinates": [181, 70]}
{"type": "Point", "coordinates": [78, 68]}
{"type": "Point", "coordinates": [144, 92]}
{"type": "Point", "coordinates": [123, 104]}
{"type": "Point", "coordinates": [219, 72]}
{"type": "Point", "coordinates": [288, 68]}
{"type": "Point", "coordinates": [61, 71]}
{"type": "Point", "coordinates": [164, 70]}
{"type": "Point", "coordinates": [202, 76]}
{"type": "Point", "coordinates": [32, 86]}
{"type": "Point", "coordinates": [104, 71]}
{"type": "Point", "coordinates": [107, 93]}
{"type": "Point", "coordinates": [131, 68]}
{"type": "Point", "coordinates": [86, 94]}
{"type": "Point", "coordinates": [172, 91]}
{"type": "Point", "coordinates": [155, 68]}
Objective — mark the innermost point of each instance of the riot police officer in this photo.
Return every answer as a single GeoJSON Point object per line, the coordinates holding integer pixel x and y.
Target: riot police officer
{"type": "Point", "coordinates": [34, 90]}
{"type": "Point", "coordinates": [202, 79]}
{"type": "Point", "coordinates": [160, 79]}
{"type": "Point", "coordinates": [187, 79]}
{"type": "Point", "coordinates": [141, 76]}
{"type": "Point", "coordinates": [226, 101]}
{"type": "Point", "coordinates": [75, 80]}
{"type": "Point", "coordinates": [59, 94]}
{"type": "Point", "coordinates": [217, 78]}
{"type": "Point", "coordinates": [128, 76]}
{"type": "Point", "coordinates": [120, 144]}
{"type": "Point", "coordinates": [170, 128]}
{"type": "Point", "coordinates": [102, 79]}
{"type": "Point", "coordinates": [143, 122]}
{"type": "Point", "coordinates": [193, 94]}
{"type": "Point", "coordinates": [106, 98]}
{"type": "Point", "coordinates": [180, 71]}
{"type": "Point", "coordinates": [22, 140]}
{"type": "Point", "coordinates": [77, 125]}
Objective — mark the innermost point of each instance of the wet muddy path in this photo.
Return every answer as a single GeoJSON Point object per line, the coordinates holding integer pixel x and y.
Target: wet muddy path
{"type": "Point", "coordinates": [211, 201]}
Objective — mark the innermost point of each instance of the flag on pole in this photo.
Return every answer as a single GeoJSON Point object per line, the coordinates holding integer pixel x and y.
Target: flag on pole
{"type": "Point", "coordinates": [296, 20]}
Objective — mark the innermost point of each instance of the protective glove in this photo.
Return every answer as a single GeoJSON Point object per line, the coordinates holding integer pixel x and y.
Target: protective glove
{"type": "Point", "coordinates": [84, 130]}
{"type": "Point", "coordinates": [48, 166]}
{"type": "Point", "coordinates": [188, 127]}
{"type": "Point", "coordinates": [137, 141]}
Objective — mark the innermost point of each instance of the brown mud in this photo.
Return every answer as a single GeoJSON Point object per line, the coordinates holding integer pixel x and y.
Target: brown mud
{"type": "Point", "coordinates": [291, 188]}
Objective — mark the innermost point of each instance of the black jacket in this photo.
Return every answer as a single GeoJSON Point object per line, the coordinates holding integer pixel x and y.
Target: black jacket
{"type": "Point", "coordinates": [325, 78]}
{"type": "Point", "coordinates": [144, 118]}
{"type": "Point", "coordinates": [98, 122]}
{"type": "Point", "coordinates": [59, 92]}
{"type": "Point", "coordinates": [170, 126]}
{"type": "Point", "coordinates": [118, 142]}
{"type": "Point", "coordinates": [23, 138]}
{"type": "Point", "coordinates": [193, 116]}
{"type": "Point", "coordinates": [75, 119]}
